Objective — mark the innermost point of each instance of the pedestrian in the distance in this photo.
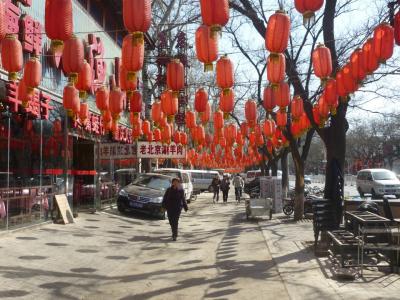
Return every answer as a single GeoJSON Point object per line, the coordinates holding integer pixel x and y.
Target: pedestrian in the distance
{"type": "Point", "coordinates": [238, 183]}
{"type": "Point", "coordinates": [215, 185]}
{"type": "Point", "coordinates": [173, 202]}
{"type": "Point", "coordinates": [225, 186]}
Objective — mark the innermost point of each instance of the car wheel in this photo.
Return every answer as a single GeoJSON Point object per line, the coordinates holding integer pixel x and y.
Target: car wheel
{"type": "Point", "coordinates": [161, 215]}
{"type": "Point", "coordinates": [360, 192]}
{"type": "Point", "coordinates": [121, 207]}
{"type": "Point", "coordinates": [288, 209]}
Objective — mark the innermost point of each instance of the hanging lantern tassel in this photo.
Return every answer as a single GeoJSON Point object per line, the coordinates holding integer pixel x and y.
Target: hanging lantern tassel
{"type": "Point", "coordinates": [73, 78]}
{"type": "Point", "coordinates": [226, 91]}
{"type": "Point", "coordinates": [215, 31]}
{"type": "Point", "coordinates": [138, 38]}
{"type": "Point", "coordinates": [209, 67]}
{"type": "Point", "coordinates": [56, 46]}
{"type": "Point", "coordinates": [333, 111]}
{"type": "Point", "coordinates": [131, 76]}
{"type": "Point", "coordinates": [227, 116]}
{"type": "Point", "coordinates": [170, 118]}
{"type": "Point", "coordinates": [83, 95]}
{"type": "Point", "coordinates": [308, 18]}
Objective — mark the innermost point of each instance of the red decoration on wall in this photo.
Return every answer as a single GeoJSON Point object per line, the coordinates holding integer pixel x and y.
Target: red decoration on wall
{"type": "Point", "coordinates": [96, 60]}
{"type": "Point", "coordinates": [12, 17]}
{"type": "Point", "coordinates": [30, 35]}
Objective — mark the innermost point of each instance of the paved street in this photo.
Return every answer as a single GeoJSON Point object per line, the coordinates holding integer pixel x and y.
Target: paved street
{"type": "Point", "coordinates": [106, 256]}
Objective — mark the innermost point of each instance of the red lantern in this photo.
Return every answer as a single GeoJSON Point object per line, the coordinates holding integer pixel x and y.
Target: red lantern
{"type": "Point", "coordinates": [126, 85]}
{"type": "Point", "coordinates": [137, 129]}
{"type": "Point", "coordinates": [85, 79]}
{"type": "Point", "coordinates": [190, 119]}
{"type": "Point", "coordinates": [71, 100]}
{"type": "Point", "coordinates": [308, 8]}
{"type": "Point", "coordinates": [83, 112]}
{"type": "Point", "coordinates": [322, 62]}
{"type": "Point", "coordinates": [11, 56]}
{"type": "Point", "coordinates": [175, 76]}
{"type": "Point", "coordinates": [349, 83]}
{"type": "Point", "coordinates": [183, 138]}
{"type": "Point", "coordinates": [116, 103]}
{"type": "Point", "coordinates": [226, 103]}
{"type": "Point", "coordinates": [23, 93]}
{"type": "Point", "coordinates": [277, 33]}
{"type": "Point", "coordinates": [102, 99]}
{"type": "Point", "coordinates": [200, 134]}
{"type": "Point", "coordinates": [276, 66]}
{"type": "Point", "coordinates": [166, 133]}
{"type": "Point", "coordinates": [252, 138]}
{"type": "Point", "coordinates": [370, 61]}
{"type": "Point", "coordinates": [281, 119]}
{"type": "Point", "coordinates": [3, 25]}
{"type": "Point", "coordinates": [224, 74]}
{"type": "Point", "coordinates": [397, 28]}
{"type": "Point", "coordinates": [244, 129]}
{"type": "Point", "coordinates": [323, 109]}
{"type": "Point", "coordinates": [251, 112]}
{"type": "Point", "coordinates": [206, 47]}
{"type": "Point", "coordinates": [215, 14]}
{"type": "Point", "coordinates": [32, 74]}
{"type": "Point", "coordinates": [201, 100]}
{"type": "Point", "coordinates": [282, 95]}
{"type": "Point", "coordinates": [205, 117]}
{"type": "Point", "coordinates": [269, 128]}
{"type": "Point", "coordinates": [132, 56]}
{"type": "Point", "coordinates": [156, 112]}
{"type": "Point", "coordinates": [135, 104]}
{"type": "Point", "coordinates": [177, 137]}
{"type": "Point", "coordinates": [58, 21]}
{"type": "Point", "coordinates": [149, 136]}
{"type": "Point", "coordinates": [316, 115]}
{"type": "Point", "coordinates": [357, 65]}
{"type": "Point", "coordinates": [268, 99]}
{"type": "Point", "coordinates": [146, 127]}
{"type": "Point", "coordinates": [218, 119]}
{"type": "Point", "coordinates": [137, 17]}
{"type": "Point", "coordinates": [157, 135]}
{"type": "Point", "coordinates": [296, 107]}
{"type": "Point", "coordinates": [169, 104]}
{"type": "Point", "coordinates": [384, 41]}
{"type": "Point", "coordinates": [73, 57]}
{"type": "Point", "coordinates": [330, 95]}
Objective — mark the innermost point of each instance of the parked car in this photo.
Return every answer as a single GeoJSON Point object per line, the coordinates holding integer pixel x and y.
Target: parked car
{"type": "Point", "coordinates": [185, 178]}
{"type": "Point", "coordinates": [202, 180]}
{"type": "Point", "coordinates": [124, 177]}
{"type": "Point", "coordinates": [251, 175]}
{"type": "Point", "coordinates": [145, 194]}
{"type": "Point", "coordinates": [377, 182]}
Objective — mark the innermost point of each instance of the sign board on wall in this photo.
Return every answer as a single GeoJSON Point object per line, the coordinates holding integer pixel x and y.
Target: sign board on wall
{"type": "Point", "coordinates": [160, 150]}
{"type": "Point", "coordinates": [117, 151]}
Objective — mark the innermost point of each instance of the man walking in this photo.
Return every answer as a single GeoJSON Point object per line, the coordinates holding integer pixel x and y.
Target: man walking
{"type": "Point", "coordinates": [238, 183]}
{"type": "Point", "coordinates": [215, 185]}
{"type": "Point", "coordinates": [173, 202]}
{"type": "Point", "coordinates": [225, 186]}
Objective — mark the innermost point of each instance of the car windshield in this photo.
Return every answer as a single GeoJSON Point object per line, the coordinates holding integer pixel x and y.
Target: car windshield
{"type": "Point", "coordinates": [169, 173]}
{"type": "Point", "coordinates": [153, 182]}
{"type": "Point", "coordinates": [384, 175]}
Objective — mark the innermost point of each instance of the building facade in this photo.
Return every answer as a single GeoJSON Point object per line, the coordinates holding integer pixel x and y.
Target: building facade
{"type": "Point", "coordinates": [43, 152]}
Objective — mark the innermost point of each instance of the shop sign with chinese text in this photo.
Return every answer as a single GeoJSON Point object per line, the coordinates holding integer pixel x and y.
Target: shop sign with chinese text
{"type": "Point", "coordinates": [117, 151]}
{"type": "Point", "coordinates": [160, 150]}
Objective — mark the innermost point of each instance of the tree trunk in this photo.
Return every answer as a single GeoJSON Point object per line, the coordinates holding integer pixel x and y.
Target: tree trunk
{"type": "Point", "coordinates": [274, 168]}
{"type": "Point", "coordinates": [335, 142]}
{"type": "Point", "coordinates": [285, 173]}
{"type": "Point", "coordinates": [299, 190]}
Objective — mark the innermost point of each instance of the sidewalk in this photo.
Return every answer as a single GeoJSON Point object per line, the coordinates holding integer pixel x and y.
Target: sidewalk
{"type": "Point", "coordinates": [307, 277]}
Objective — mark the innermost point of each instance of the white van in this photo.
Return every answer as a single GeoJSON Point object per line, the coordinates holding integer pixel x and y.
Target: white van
{"type": "Point", "coordinates": [202, 180]}
{"type": "Point", "coordinates": [185, 178]}
{"type": "Point", "coordinates": [378, 182]}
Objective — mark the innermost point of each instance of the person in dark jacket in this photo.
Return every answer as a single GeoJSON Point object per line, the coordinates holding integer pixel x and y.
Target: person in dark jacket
{"type": "Point", "coordinates": [173, 202]}
{"type": "Point", "coordinates": [225, 186]}
{"type": "Point", "coordinates": [215, 185]}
